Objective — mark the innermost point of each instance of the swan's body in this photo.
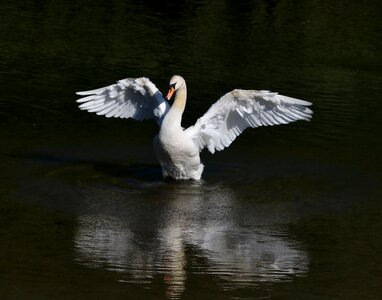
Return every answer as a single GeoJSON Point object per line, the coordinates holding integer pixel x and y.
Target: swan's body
{"type": "Point", "coordinates": [178, 149]}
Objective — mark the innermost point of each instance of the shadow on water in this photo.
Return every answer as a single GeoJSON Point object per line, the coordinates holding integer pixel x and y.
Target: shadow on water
{"type": "Point", "coordinates": [139, 172]}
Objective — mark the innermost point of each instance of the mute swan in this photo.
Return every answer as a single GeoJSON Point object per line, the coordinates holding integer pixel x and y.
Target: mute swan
{"type": "Point", "coordinates": [176, 148]}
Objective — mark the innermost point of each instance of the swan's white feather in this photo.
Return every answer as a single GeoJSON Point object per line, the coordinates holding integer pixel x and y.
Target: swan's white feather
{"type": "Point", "coordinates": [177, 149]}
{"type": "Point", "coordinates": [136, 98]}
{"type": "Point", "coordinates": [240, 109]}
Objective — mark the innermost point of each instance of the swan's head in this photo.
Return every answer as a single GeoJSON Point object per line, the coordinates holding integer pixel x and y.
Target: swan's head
{"type": "Point", "coordinates": [176, 82]}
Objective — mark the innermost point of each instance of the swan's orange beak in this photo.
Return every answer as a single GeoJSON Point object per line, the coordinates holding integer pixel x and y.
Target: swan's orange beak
{"type": "Point", "coordinates": [170, 93]}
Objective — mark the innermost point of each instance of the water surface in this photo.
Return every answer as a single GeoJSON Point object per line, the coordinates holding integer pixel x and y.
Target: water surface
{"type": "Point", "coordinates": [289, 212]}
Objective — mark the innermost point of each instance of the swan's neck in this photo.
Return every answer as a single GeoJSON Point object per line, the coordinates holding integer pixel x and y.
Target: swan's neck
{"type": "Point", "coordinates": [174, 116]}
{"type": "Point", "coordinates": [180, 99]}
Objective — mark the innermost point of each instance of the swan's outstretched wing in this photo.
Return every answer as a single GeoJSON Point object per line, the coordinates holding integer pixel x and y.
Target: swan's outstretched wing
{"type": "Point", "coordinates": [136, 98]}
{"type": "Point", "coordinates": [239, 109]}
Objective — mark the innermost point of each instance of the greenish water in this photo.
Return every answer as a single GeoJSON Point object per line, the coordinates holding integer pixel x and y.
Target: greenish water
{"type": "Point", "coordinates": [286, 212]}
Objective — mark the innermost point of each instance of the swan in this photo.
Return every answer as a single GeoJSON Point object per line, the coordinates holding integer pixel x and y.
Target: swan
{"type": "Point", "coordinates": [177, 149]}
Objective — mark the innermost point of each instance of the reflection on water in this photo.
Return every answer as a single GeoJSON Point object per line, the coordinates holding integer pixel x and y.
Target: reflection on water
{"type": "Point", "coordinates": [205, 218]}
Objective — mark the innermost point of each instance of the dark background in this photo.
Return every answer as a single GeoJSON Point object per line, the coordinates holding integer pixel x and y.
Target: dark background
{"type": "Point", "coordinates": [311, 189]}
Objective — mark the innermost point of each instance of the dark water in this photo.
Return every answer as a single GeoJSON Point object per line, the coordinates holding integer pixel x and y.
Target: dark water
{"type": "Point", "coordinates": [287, 212]}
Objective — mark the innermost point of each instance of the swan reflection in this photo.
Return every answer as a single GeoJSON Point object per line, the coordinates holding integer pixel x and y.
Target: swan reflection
{"type": "Point", "coordinates": [141, 239]}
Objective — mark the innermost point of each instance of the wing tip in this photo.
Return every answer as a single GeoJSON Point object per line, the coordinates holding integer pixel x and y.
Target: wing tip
{"type": "Point", "coordinates": [80, 100]}
{"type": "Point", "coordinates": [309, 111]}
{"type": "Point", "coordinates": [85, 99]}
{"type": "Point", "coordinates": [83, 93]}
{"type": "Point", "coordinates": [92, 92]}
{"type": "Point", "coordinates": [292, 100]}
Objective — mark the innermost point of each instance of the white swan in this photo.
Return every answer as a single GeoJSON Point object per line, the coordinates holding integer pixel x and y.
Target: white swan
{"type": "Point", "coordinates": [176, 148]}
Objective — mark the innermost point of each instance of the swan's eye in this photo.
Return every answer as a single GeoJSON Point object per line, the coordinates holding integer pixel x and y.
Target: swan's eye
{"type": "Point", "coordinates": [173, 85]}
